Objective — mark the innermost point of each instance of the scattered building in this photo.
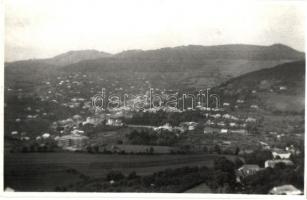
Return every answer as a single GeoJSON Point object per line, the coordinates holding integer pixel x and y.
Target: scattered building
{"type": "Point", "coordinates": [254, 106]}
{"type": "Point", "coordinates": [240, 101]}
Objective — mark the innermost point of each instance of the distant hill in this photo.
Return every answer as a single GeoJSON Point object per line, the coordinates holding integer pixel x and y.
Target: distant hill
{"type": "Point", "coordinates": [230, 51]}
{"type": "Point", "coordinates": [191, 66]}
{"type": "Point", "coordinates": [64, 59]}
{"type": "Point", "coordinates": [281, 88]}
{"type": "Point", "coordinates": [184, 66]}
{"type": "Point", "coordinates": [291, 75]}
{"type": "Point", "coordinates": [37, 69]}
{"type": "Point", "coordinates": [72, 57]}
{"type": "Point", "coordinates": [186, 58]}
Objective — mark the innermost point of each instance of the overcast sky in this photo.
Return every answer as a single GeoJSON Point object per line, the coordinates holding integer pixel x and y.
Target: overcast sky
{"type": "Point", "coordinates": [45, 28]}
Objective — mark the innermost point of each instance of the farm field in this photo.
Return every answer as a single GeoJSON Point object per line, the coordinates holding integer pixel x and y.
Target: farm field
{"type": "Point", "coordinates": [37, 171]}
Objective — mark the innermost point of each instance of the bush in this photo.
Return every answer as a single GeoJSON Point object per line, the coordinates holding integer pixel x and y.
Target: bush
{"type": "Point", "coordinates": [132, 175]}
{"type": "Point", "coordinates": [115, 175]}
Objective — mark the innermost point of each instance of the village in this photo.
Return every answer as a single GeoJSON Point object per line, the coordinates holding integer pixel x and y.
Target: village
{"type": "Point", "coordinates": [192, 130]}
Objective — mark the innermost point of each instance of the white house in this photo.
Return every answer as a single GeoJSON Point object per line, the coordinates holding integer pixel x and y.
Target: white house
{"type": "Point", "coordinates": [224, 131]}
{"type": "Point", "coordinates": [250, 119]}
{"type": "Point", "coordinates": [226, 104]}
{"type": "Point", "coordinates": [282, 88]}
{"type": "Point", "coordinates": [14, 132]}
{"type": "Point", "coordinates": [240, 101]}
{"type": "Point", "coordinates": [254, 106]}
{"type": "Point", "coordinates": [280, 153]}
{"type": "Point", "coordinates": [272, 163]}
{"type": "Point", "coordinates": [232, 124]}
{"type": "Point", "coordinates": [46, 135]}
{"type": "Point", "coordinates": [227, 116]}
{"type": "Point", "coordinates": [166, 126]}
{"type": "Point", "coordinates": [221, 124]}
{"type": "Point", "coordinates": [284, 155]}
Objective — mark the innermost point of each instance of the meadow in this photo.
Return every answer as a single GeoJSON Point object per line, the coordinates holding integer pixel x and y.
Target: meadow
{"type": "Point", "coordinates": [45, 171]}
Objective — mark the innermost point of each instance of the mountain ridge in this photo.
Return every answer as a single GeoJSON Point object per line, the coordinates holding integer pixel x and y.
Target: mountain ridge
{"type": "Point", "coordinates": [136, 51]}
{"type": "Point", "coordinates": [183, 66]}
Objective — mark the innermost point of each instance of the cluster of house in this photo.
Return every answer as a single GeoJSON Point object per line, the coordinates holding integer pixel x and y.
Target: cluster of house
{"type": "Point", "coordinates": [73, 137]}
{"type": "Point", "coordinates": [76, 102]}
{"type": "Point", "coordinates": [226, 123]}
{"type": "Point", "coordinates": [20, 135]}
{"type": "Point", "coordinates": [239, 102]}
{"type": "Point", "coordinates": [183, 126]}
{"type": "Point", "coordinates": [280, 156]}
{"type": "Point", "coordinates": [31, 113]}
{"type": "Point", "coordinates": [217, 123]}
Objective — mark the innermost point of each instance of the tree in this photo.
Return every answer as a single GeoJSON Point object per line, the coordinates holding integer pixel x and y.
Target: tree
{"type": "Point", "coordinates": [151, 150]}
{"type": "Point", "coordinates": [115, 175]}
{"type": "Point", "coordinates": [258, 157]}
{"type": "Point", "coordinates": [237, 151]}
{"type": "Point", "coordinates": [224, 172]}
{"type": "Point", "coordinates": [217, 149]}
{"type": "Point", "coordinates": [223, 164]}
{"type": "Point", "coordinates": [132, 175]}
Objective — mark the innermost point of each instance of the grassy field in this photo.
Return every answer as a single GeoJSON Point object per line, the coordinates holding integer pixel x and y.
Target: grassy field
{"type": "Point", "coordinates": [45, 171]}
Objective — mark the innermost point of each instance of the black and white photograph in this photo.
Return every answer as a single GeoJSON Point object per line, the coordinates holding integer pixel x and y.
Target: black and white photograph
{"type": "Point", "coordinates": [154, 96]}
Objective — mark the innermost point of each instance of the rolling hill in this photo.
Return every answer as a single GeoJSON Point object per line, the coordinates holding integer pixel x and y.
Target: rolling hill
{"type": "Point", "coordinates": [184, 66]}
{"type": "Point", "coordinates": [72, 57]}
{"type": "Point", "coordinates": [281, 88]}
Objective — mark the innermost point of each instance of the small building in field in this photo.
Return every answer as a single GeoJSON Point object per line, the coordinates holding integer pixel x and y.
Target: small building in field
{"type": "Point", "coordinates": [114, 122]}
{"type": "Point", "coordinates": [210, 130]}
{"type": "Point", "coordinates": [188, 125]}
{"type": "Point", "coordinates": [239, 131]}
{"type": "Point", "coordinates": [282, 87]}
{"type": "Point", "coordinates": [72, 142]}
{"type": "Point", "coordinates": [224, 131]}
